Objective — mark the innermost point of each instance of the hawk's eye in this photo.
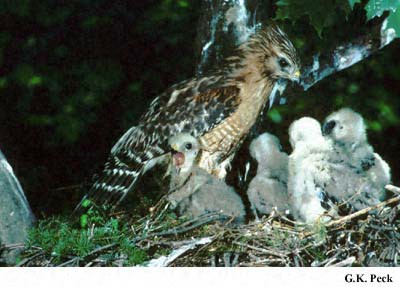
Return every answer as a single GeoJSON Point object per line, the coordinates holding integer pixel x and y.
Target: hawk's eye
{"type": "Point", "coordinates": [283, 63]}
{"type": "Point", "coordinates": [188, 146]}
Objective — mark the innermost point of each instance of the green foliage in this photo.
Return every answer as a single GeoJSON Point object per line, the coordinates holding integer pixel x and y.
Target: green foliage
{"type": "Point", "coordinates": [394, 21]}
{"type": "Point", "coordinates": [376, 8]}
{"type": "Point", "coordinates": [60, 239]}
{"type": "Point", "coordinates": [325, 14]}
{"type": "Point", "coordinates": [95, 215]}
{"type": "Point", "coordinates": [321, 15]}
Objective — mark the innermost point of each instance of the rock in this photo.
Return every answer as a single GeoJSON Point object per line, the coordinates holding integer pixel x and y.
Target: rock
{"type": "Point", "coordinates": [16, 216]}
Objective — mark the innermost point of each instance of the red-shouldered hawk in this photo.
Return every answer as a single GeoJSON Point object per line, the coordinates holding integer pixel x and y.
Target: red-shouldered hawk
{"type": "Point", "coordinates": [218, 108]}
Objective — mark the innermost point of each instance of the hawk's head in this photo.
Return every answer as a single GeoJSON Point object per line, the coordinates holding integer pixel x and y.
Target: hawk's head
{"type": "Point", "coordinates": [264, 146]}
{"type": "Point", "coordinates": [304, 130]}
{"type": "Point", "coordinates": [270, 51]}
{"type": "Point", "coordinates": [345, 126]}
{"type": "Point", "coordinates": [185, 149]}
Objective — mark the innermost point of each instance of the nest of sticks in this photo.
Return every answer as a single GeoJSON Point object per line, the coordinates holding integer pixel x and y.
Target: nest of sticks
{"type": "Point", "coordinates": [369, 237]}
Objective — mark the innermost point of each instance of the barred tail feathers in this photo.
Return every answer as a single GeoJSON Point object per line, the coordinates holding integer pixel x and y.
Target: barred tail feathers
{"type": "Point", "coordinates": [130, 157]}
{"type": "Point", "coordinates": [113, 185]}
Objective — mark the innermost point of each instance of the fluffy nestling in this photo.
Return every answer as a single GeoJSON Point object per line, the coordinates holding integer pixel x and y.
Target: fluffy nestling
{"type": "Point", "coordinates": [309, 172]}
{"type": "Point", "coordinates": [335, 169]}
{"type": "Point", "coordinates": [218, 108]}
{"type": "Point", "coordinates": [195, 192]}
{"type": "Point", "coordinates": [369, 172]}
{"type": "Point", "coordinates": [268, 189]}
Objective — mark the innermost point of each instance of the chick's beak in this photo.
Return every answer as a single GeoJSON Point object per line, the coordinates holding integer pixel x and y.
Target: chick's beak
{"type": "Point", "coordinates": [174, 148]}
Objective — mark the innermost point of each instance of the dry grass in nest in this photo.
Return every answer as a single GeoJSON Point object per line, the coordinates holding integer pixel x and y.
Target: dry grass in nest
{"type": "Point", "coordinates": [369, 237]}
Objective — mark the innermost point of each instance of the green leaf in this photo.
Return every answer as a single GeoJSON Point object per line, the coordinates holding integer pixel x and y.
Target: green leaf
{"type": "Point", "coordinates": [375, 126]}
{"type": "Point", "coordinates": [34, 81]}
{"type": "Point", "coordinates": [321, 16]}
{"type": "Point", "coordinates": [84, 220]}
{"type": "Point", "coordinates": [388, 113]}
{"type": "Point", "coordinates": [183, 4]}
{"type": "Point", "coordinates": [393, 22]}
{"type": "Point", "coordinates": [377, 7]}
{"type": "Point", "coordinates": [275, 116]}
{"type": "Point", "coordinates": [86, 203]}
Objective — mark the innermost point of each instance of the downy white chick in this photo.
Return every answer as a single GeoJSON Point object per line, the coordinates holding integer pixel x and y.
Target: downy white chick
{"type": "Point", "coordinates": [308, 170]}
{"type": "Point", "coordinates": [194, 191]}
{"type": "Point", "coordinates": [370, 173]}
{"type": "Point", "coordinates": [268, 189]}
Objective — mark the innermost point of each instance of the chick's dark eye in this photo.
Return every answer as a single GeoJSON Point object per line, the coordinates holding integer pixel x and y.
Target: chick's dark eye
{"type": "Point", "coordinates": [283, 63]}
{"type": "Point", "coordinates": [188, 146]}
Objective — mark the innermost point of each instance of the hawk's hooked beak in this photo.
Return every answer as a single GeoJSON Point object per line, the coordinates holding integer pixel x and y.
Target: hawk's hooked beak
{"type": "Point", "coordinates": [296, 76]}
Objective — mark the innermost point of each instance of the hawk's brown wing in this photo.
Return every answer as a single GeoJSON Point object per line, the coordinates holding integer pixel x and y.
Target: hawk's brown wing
{"type": "Point", "coordinates": [194, 107]}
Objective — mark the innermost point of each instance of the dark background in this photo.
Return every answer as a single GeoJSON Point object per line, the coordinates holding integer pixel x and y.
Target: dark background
{"type": "Point", "coordinates": [75, 76]}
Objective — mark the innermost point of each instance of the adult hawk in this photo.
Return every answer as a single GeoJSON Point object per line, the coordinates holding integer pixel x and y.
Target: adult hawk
{"type": "Point", "coordinates": [218, 109]}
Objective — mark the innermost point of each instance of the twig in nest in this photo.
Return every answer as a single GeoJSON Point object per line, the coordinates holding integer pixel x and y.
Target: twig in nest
{"type": "Point", "coordinates": [393, 188]}
{"type": "Point", "coordinates": [345, 263]}
{"type": "Point", "coordinates": [263, 262]}
{"type": "Point", "coordinates": [262, 250]}
{"type": "Point", "coordinates": [363, 211]}
{"type": "Point", "coordinates": [69, 262]}
{"type": "Point", "coordinates": [87, 257]}
{"type": "Point", "coordinates": [197, 223]}
{"type": "Point", "coordinates": [26, 260]}
{"type": "Point", "coordinates": [13, 246]}
{"type": "Point", "coordinates": [185, 227]}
